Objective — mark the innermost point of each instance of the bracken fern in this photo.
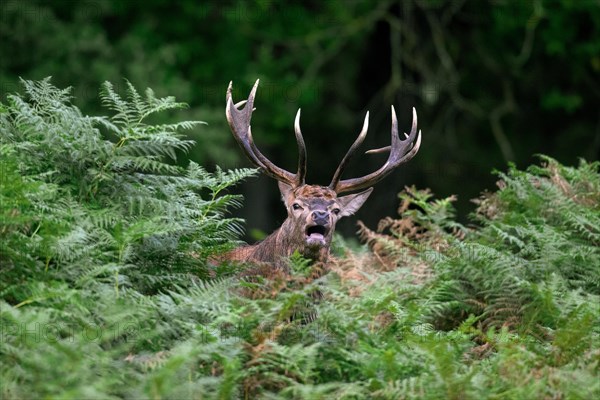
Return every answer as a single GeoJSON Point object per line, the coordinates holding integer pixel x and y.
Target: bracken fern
{"type": "Point", "coordinates": [107, 293]}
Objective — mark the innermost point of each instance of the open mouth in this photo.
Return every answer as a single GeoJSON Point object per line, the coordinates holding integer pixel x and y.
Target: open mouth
{"type": "Point", "coordinates": [316, 234]}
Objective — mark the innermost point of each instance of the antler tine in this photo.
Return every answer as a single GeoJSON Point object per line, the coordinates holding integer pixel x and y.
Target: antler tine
{"type": "Point", "coordinates": [301, 174]}
{"type": "Point", "coordinates": [361, 137]}
{"type": "Point", "coordinates": [380, 150]}
{"type": "Point", "coordinates": [400, 152]}
{"type": "Point", "coordinates": [239, 122]}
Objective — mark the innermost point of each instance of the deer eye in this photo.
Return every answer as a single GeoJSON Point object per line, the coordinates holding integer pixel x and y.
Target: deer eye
{"type": "Point", "coordinates": [336, 211]}
{"type": "Point", "coordinates": [296, 206]}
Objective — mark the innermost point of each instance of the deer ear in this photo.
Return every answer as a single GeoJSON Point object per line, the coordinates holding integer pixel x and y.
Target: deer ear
{"type": "Point", "coordinates": [285, 190]}
{"type": "Point", "coordinates": [353, 202]}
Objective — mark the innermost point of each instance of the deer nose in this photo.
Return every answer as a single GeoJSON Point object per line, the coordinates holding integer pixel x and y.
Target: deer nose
{"type": "Point", "coordinates": [320, 216]}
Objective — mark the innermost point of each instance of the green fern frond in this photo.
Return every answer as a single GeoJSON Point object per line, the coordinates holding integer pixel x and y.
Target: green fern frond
{"type": "Point", "coordinates": [106, 247]}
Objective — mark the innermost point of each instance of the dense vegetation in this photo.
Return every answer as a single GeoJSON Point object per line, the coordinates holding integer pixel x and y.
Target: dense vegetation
{"type": "Point", "coordinates": [106, 291]}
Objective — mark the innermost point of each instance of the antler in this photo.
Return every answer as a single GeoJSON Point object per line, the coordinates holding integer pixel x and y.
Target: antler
{"type": "Point", "coordinates": [239, 122]}
{"type": "Point", "coordinates": [400, 152]}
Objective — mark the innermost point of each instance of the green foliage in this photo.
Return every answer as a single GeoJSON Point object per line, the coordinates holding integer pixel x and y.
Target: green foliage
{"type": "Point", "coordinates": [94, 232]}
{"type": "Point", "coordinates": [106, 292]}
{"type": "Point", "coordinates": [517, 298]}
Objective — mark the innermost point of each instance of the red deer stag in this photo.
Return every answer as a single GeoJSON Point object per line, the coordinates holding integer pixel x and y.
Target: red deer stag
{"type": "Point", "coordinates": [312, 210]}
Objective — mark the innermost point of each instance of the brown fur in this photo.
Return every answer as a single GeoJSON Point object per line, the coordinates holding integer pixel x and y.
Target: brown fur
{"type": "Point", "coordinates": [313, 210]}
{"type": "Point", "coordinates": [292, 235]}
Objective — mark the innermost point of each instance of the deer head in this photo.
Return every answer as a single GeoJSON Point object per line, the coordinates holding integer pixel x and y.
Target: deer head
{"type": "Point", "coordinates": [313, 210]}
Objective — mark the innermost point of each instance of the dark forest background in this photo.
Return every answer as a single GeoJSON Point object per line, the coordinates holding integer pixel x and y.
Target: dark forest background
{"type": "Point", "coordinates": [493, 81]}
